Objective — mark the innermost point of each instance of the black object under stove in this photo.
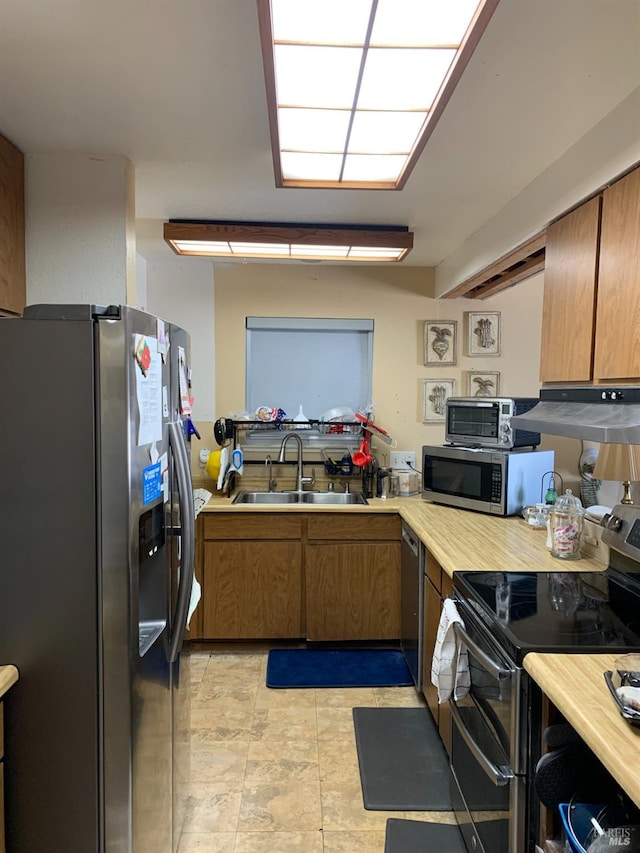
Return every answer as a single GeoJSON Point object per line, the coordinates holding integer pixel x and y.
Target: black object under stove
{"type": "Point", "coordinates": [564, 611]}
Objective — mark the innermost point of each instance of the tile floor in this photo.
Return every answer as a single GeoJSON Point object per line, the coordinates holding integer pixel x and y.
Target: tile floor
{"type": "Point", "coordinates": [276, 771]}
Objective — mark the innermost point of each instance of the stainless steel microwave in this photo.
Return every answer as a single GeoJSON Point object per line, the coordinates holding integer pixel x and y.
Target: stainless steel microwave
{"type": "Point", "coordinates": [486, 422]}
{"type": "Point", "coordinates": [493, 481]}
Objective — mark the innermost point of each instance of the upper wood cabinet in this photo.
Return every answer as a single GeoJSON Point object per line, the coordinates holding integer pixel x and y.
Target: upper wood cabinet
{"type": "Point", "coordinates": [617, 351]}
{"type": "Point", "coordinates": [13, 290]}
{"type": "Point", "coordinates": [568, 310]}
{"type": "Point", "coordinates": [591, 309]}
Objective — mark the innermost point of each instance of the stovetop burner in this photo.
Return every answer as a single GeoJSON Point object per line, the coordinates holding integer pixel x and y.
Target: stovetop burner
{"type": "Point", "coordinates": [564, 611]}
{"type": "Point", "coordinates": [554, 612]}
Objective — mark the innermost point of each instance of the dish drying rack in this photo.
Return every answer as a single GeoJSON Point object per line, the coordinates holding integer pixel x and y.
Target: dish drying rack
{"type": "Point", "coordinates": [322, 440]}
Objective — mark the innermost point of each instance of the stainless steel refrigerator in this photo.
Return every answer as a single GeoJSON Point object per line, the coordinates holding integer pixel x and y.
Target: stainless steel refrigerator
{"type": "Point", "coordinates": [97, 545]}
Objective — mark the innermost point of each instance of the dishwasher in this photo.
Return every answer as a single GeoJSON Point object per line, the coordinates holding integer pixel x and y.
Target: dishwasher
{"type": "Point", "coordinates": [412, 598]}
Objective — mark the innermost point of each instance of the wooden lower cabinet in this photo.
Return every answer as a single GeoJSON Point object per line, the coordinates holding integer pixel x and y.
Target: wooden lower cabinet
{"type": "Point", "coordinates": [252, 577]}
{"type": "Point", "coordinates": [319, 576]}
{"type": "Point", "coordinates": [438, 586]}
{"type": "Point", "coordinates": [352, 572]}
{"type": "Point", "coordinates": [253, 590]}
{"type": "Point", "coordinates": [353, 591]}
{"type": "Point", "coordinates": [2, 838]}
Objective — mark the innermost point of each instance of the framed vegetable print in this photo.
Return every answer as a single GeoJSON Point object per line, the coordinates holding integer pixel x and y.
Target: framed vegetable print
{"type": "Point", "coordinates": [440, 342]}
{"type": "Point", "coordinates": [481, 383]}
{"type": "Point", "coordinates": [434, 395]}
{"type": "Point", "coordinates": [483, 333]}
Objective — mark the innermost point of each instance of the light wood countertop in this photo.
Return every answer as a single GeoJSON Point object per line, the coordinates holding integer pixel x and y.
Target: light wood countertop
{"type": "Point", "coordinates": [8, 677]}
{"type": "Point", "coordinates": [458, 539]}
{"type": "Point", "coordinates": [576, 686]}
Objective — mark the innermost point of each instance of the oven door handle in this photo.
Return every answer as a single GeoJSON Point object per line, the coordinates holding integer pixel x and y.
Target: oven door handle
{"type": "Point", "coordinates": [496, 670]}
{"type": "Point", "coordinates": [500, 776]}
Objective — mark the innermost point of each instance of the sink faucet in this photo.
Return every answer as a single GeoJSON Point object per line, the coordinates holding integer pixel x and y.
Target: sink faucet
{"type": "Point", "coordinates": [269, 464]}
{"type": "Point", "coordinates": [300, 481]}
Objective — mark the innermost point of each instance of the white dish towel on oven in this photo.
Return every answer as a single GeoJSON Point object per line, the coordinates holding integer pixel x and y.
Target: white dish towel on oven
{"type": "Point", "coordinates": [450, 663]}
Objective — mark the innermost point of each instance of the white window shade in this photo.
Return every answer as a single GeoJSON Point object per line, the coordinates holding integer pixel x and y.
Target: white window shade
{"type": "Point", "coordinates": [314, 363]}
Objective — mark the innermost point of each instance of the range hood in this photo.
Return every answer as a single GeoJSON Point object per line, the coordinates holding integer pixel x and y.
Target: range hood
{"type": "Point", "coordinates": [594, 413]}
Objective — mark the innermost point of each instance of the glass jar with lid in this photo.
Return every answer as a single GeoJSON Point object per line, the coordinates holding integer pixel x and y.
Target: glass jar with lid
{"type": "Point", "coordinates": [566, 518]}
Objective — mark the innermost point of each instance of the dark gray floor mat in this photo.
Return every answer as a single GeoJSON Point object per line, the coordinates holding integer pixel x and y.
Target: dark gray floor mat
{"type": "Point", "coordinates": [414, 836]}
{"type": "Point", "coordinates": [403, 764]}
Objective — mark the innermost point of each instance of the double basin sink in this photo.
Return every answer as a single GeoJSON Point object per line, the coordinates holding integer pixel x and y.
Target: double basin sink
{"type": "Point", "coordinates": [321, 498]}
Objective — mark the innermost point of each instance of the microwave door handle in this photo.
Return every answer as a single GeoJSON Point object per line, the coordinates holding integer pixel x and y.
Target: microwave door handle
{"type": "Point", "coordinates": [188, 534]}
{"type": "Point", "coordinates": [497, 671]}
{"type": "Point", "coordinates": [500, 776]}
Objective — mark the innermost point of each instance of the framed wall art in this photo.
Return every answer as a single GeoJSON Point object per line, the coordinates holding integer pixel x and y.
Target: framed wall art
{"type": "Point", "coordinates": [483, 332]}
{"type": "Point", "coordinates": [440, 342]}
{"type": "Point", "coordinates": [482, 383]}
{"type": "Point", "coordinates": [434, 395]}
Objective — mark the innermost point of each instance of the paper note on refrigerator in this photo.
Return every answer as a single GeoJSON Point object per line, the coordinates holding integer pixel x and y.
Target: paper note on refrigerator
{"type": "Point", "coordinates": [196, 594]}
{"type": "Point", "coordinates": [185, 400]}
{"type": "Point", "coordinates": [148, 389]}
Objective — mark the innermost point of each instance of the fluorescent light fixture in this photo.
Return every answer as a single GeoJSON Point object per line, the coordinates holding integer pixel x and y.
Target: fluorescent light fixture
{"type": "Point", "coordinates": [355, 87]}
{"type": "Point", "coordinates": [343, 243]}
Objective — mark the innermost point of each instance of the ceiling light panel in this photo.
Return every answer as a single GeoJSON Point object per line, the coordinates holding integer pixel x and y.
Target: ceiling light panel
{"type": "Point", "coordinates": [326, 22]}
{"type": "Point", "coordinates": [381, 168]}
{"type": "Point", "coordinates": [435, 22]}
{"type": "Point", "coordinates": [311, 167]}
{"type": "Point", "coordinates": [398, 79]}
{"type": "Point", "coordinates": [396, 59]}
{"type": "Point", "coordinates": [313, 130]}
{"type": "Point", "coordinates": [316, 76]}
{"type": "Point", "coordinates": [242, 240]}
{"type": "Point", "coordinates": [375, 132]}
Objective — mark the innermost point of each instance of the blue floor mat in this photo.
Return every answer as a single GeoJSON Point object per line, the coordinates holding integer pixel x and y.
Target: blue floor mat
{"type": "Point", "coordinates": [337, 668]}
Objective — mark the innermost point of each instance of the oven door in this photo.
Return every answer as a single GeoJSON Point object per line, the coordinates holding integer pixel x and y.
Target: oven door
{"type": "Point", "coordinates": [488, 786]}
{"type": "Point", "coordinates": [474, 422]}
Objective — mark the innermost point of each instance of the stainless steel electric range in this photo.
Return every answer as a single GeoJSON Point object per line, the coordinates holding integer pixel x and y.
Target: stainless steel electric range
{"type": "Point", "coordinates": [496, 729]}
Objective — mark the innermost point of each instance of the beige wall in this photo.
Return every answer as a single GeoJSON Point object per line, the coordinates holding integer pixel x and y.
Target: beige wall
{"type": "Point", "coordinates": [399, 301]}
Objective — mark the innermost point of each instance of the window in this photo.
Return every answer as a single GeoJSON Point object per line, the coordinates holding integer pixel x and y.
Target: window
{"type": "Point", "coordinates": [314, 363]}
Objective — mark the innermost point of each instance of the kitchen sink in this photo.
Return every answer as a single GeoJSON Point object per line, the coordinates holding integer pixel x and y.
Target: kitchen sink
{"type": "Point", "coordinates": [333, 498]}
{"type": "Point", "coordinates": [321, 498]}
{"type": "Point", "coordinates": [266, 498]}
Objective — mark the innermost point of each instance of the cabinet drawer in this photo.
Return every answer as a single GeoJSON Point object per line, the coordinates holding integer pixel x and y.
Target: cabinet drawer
{"type": "Point", "coordinates": [352, 526]}
{"type": "Point", "coordinates": [446, 590]}
{"type": "Point", "coordinates": [434, 571]}
{"type": "Point", "coordinates": [259, 525]}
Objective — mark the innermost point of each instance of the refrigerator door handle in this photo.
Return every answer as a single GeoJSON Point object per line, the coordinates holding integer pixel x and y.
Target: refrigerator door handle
{"type": "Point", "coordinates": [188, 534]}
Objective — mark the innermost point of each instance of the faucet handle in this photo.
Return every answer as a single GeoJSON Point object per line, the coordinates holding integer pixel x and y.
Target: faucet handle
{"type": "Point", "coordinates": [309, 481]}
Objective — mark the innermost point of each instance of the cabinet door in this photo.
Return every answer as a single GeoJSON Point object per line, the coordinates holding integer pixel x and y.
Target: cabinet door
{"type": "Point", "coordinates": [432, 607]}
{"type": "Point", "coordinates": [617, 354]}
{"type": "Point", "coordinates": [568, 312]}
{"type": "Point", "coordinates": [2, 841]}
{"type": "Point", "coordinates": [252, 590]}
{"type": "Point", "coordinates": [13, 289]}
{"type": "Point", "coordinates": [353, 591]}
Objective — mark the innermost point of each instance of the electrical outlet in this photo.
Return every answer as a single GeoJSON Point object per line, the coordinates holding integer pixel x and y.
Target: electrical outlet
{"type": "Point", "coordinates": [402, 460]}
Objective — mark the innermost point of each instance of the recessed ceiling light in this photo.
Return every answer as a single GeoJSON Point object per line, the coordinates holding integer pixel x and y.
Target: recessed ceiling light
{"type": "Point", "coordinates": [354, 89]}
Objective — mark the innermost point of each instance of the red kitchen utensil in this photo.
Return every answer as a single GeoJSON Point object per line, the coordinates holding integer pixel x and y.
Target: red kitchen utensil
{"type": "Point", "coordinates": [362, 456]}
{"type": "Point", "coordinates": [382, 433]}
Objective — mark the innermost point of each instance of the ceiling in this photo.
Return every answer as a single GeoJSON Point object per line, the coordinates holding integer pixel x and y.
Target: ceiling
{"type": "Point", "coordinates": [178, 88]}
